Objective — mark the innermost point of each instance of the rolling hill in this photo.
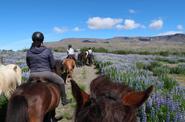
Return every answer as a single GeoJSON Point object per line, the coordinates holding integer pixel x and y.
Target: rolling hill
{"type": "Point", "coordinates": [167, 42]}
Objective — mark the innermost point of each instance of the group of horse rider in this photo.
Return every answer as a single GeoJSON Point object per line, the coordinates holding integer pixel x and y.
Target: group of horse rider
{"type": "Point", "coordinates": [71, 53]}
{"type": "Point", "coordinates": [40, 61]}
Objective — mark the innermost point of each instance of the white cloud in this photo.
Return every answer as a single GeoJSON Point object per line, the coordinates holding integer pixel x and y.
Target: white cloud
{"type": "Point", "coordinates": [102, 23]}
{"type": "Point", "coordinates": [60, 30]}
{"type": "Point", "coordinates": [156, 24]}
{"type": "Point", "coordinates": [131, 11]}
{"type": "Point", "coordinates": [170, 33]}
{"type": "Point", "coordinates": [180, 27]}
{"type": "Point", "coordinates": [129, 25]}
{"type": "Point", "coordinates": [77, 29]}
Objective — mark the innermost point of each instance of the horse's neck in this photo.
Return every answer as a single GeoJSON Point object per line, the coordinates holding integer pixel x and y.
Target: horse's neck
{"type": "Point", "coordinates": [2, 66]}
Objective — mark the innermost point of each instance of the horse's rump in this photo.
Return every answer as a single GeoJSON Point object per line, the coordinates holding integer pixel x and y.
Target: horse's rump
{"type": "Point", "coordinates": [69, 65]}
{"type": "Point", "coordinates": [55, 94]}
{"type": "Point", "coordinates": [82, 58]}
{"type": "Point", "coordinates": [41, 98]}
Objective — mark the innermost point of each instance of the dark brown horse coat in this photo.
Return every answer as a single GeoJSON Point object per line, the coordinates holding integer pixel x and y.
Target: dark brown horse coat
{"type": "Point", "coordinates": [82, 59]}
{"type": "Point", "coordinates": [32, 101]}
{"type": "Point", "coordinates": [108, 101]}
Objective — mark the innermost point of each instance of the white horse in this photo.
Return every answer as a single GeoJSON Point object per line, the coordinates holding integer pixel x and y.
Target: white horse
{"type": "Point", "coordinates": [10, 78]}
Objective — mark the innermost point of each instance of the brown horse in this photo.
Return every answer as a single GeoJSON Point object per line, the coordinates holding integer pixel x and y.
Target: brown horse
{"type": "Point", "coordinates": [32, 102]}
{"type": "Point", "coordinates": [108, 101]}
{"type": "Point", "coordinates": [69, 65]}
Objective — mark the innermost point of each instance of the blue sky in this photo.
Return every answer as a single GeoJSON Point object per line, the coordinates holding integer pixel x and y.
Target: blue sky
{"type": "Point", "coordinates": [59, 19]}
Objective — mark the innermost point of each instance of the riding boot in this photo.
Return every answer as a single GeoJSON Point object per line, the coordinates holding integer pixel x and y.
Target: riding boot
{"type": "Point", "coordinates": [64, 99]}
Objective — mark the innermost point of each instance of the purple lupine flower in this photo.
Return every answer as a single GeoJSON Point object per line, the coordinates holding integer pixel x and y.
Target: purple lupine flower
{"type": "Point", "coordinates": [153, 117]}
{"type": "Point", "coordinates": [168, 117]}
{"type": "Point", "coordinates": [143, 114]}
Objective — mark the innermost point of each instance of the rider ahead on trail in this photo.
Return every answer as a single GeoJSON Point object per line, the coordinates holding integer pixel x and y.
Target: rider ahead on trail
{"type": "Point", "coordinates": [41, 63]}
{"type": "Point", "coordinates": [89, 56]}
{"type": "Point", "coordinates": [71, 52]}
{"type": "Point", "coordinates": [89, 51]}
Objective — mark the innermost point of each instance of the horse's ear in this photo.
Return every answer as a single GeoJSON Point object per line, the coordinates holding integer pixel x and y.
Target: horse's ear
{"type": "Point", "coordinates": [15, 68]}
{"type": "Point", "coordinates": [81, 96]}
{"type": "Point", "coordinates": [136, 99]}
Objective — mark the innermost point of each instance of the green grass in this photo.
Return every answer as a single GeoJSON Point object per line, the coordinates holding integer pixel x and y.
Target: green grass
{"type": "Point", "coordinates": [169, 83]}
{"type": "Point", "coordinates": [140, 65]}
{"type": "Point", "coordinates": [178, 77]}
{"type": "Point", "coordinates": [147, 52]}
{"type": "Point", "coordinates": [166, 60]}
{"type": "Point", "coordinates": [25, 69]}
{"type": "Point", "coordinates": [161, 71]}
{"type": "Point", "coordinates": [3, 107]}
{"type": "Point", "coordinates": [179, 69]}
{"type": "Point", "coordinates": [84, 73]}
{"type": "Point", "coordinates": [82, 87]}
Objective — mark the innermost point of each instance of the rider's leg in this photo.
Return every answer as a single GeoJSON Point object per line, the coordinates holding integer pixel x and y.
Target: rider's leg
{"type": "Point", "coordinates": [58, 80]}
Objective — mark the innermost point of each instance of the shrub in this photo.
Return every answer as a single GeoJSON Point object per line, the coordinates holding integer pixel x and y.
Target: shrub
{"type": "Point", "coordinates": [153, 65]}
{"type": "Point", "coordinates": [25, 69]}
{"type": "Point", "coordinates": [100, 49]}
{"type": "Point", "coordinates": [140, 65]}
{"type": "Point", "coordinates": [157, 71]}
{"type": "Point", "coordinates": [180, 69]}
{"type": "Point", "coordinates": [170, 61]}
{"type": "Point", "coordinates": [169, 83]}
{"type": "Point", "coordinates": [59, 49]}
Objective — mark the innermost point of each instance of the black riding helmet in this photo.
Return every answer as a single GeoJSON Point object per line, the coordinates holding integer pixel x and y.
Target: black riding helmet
{"type": "Point", "coordinates": [37, 37]}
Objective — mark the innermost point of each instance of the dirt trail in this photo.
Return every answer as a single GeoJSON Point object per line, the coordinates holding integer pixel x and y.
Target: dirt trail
{"type": "Point", "coordinates": [83, 76]}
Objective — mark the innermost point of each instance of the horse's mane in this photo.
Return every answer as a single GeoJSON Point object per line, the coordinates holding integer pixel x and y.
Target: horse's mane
{"type": "Point", "coordinates": [104, 86]}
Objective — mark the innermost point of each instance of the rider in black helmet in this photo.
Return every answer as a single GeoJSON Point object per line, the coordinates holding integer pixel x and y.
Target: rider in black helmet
{"type": "Point", "coordinates": [41, 63]}
{"type": "Point", "coordinates": [37, 38]}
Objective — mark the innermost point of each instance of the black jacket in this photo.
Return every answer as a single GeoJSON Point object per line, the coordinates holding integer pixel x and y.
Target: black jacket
{"type": "Point", "coordinates": [40, 59]}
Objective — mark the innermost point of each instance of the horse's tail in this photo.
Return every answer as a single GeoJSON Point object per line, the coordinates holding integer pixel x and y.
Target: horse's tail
{"type": "Point", "coordinates": [17, 110]}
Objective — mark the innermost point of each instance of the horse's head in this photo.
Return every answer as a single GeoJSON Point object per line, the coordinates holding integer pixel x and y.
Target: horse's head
{"type": "Point", "coordinates": [108, 106]}
{"type": "Point", "coordinates": [59, 67]}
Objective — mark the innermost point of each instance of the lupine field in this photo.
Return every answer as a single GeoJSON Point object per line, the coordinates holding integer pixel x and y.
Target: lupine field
{"type": "Point", "coordinates": [167, 103]}
{"type": "Point", "coordinates": [167, 74]}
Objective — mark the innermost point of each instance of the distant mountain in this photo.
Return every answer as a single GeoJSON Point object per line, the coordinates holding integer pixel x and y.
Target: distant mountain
{"type": "Point", "coordinates": [118, 42]}
{"type": "Point", "coordinates": [175, 37]}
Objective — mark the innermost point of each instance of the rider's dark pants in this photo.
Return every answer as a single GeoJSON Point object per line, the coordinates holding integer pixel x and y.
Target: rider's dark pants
{"type": "Point", "coordinates": [51, 77]}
